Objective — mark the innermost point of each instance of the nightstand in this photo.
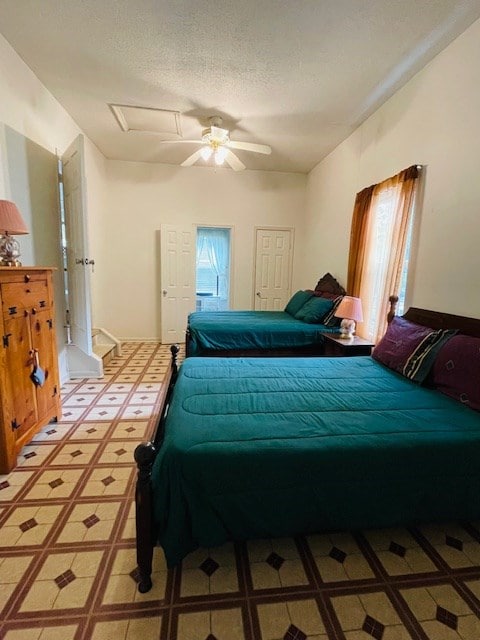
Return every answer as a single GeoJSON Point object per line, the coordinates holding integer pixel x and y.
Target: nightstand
{"type": "Point", "coordinates": [336, 346]}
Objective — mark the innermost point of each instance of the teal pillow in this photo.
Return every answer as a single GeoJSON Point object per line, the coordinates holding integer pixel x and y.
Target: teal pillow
{"type": "Point", "coordinates": [314, 310]}
{"type": "Point", "coordinates": [297, 301]}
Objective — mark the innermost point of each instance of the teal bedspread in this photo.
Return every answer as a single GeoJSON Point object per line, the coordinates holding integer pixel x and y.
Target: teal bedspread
{"type": "Point", "coordinates": [251, 330]}
{"type": "Point", "coordinates": [272, 447]}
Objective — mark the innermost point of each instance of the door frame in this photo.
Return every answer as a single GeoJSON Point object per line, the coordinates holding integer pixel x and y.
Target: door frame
{"type": "Point", "coordinates": [231, 279]}
{"type": "Point", "coordinates": [290, 262]}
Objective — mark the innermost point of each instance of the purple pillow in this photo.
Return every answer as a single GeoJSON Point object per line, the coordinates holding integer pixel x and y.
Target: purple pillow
{"type": "Point", "coordinates": [456, 371]}
{"type": "Point", "coordinates": [410, 348]}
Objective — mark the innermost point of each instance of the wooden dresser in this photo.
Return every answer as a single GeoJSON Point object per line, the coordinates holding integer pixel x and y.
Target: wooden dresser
{"type": "Point", "coordinates": [27, 332]}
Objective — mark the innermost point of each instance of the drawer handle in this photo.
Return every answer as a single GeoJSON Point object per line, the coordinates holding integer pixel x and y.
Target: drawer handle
{"type": "Point", "coordinates": [27, 278]}
{"type": "Point", "coordinates": [34, 311]}
{"type": "Point", "coordinates": [12, 311]}
{"type": "Point", "coordinates": [43, 303]}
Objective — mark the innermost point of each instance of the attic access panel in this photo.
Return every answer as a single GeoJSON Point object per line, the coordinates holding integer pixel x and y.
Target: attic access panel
{"type": "Point", "coordinates": [147, 120]}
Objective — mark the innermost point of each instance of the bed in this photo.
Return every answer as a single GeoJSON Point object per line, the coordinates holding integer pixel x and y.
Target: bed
{"type": "Point", "coordinates": [266, 333]}
{"type": "Point", "coordinates": [271, 447]}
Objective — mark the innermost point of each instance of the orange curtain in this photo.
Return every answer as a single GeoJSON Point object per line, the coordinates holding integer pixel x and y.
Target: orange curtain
{"type": "Point", "coordinates": [356, 256]}
{"type": "Point", "coordinates": [378, 243]}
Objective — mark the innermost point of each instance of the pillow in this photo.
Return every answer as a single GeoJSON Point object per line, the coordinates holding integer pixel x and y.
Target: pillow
{"type": "Point", "coordinates": [456, 370]}
{"type": "Point", "coordinates": [331, 320]}
{"type": "Point", "coordinates": [314, 310]}
{"type": "Point", "coordinates": [297, 301]}
{"type": "Point", "coordinates": [410, 348]}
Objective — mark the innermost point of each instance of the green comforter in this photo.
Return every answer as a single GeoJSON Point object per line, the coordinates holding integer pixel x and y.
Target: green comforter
{"type": "Point", "coordinates": [251, 330]}
{"type": "Point", "coordinates": [273, 447]}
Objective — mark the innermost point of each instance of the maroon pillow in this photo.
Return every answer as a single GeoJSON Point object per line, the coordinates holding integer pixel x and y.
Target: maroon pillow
{"type": "Point", "coordinates": [456, 371]}
{"type": "Point", "coordinates": [410, 348]}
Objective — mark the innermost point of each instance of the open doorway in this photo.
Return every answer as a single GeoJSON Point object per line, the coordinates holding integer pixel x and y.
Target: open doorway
{"type": "Point", "coordinates": [213, 269]}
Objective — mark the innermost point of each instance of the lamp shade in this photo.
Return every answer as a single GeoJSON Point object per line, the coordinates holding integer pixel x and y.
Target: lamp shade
{"type": "Point", "coordinates": [350, 308]}
{"type": "Point", "coordinates": [11, 220]}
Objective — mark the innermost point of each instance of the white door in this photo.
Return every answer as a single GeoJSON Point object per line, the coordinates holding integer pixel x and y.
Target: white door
{"type": "Point", "coordinates": [177, 265]}
{"type": "Point", "coordinates": [273, 266]}
{"type": "Point", "coordinates": [82, 362]}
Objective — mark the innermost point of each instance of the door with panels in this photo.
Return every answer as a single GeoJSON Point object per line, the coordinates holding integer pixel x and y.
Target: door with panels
{"type": "Point", "coordinates": [177, 267]}
{"type": "Point", "coordinates": [273, 268]}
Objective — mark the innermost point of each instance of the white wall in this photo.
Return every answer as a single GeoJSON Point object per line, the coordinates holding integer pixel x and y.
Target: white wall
{"type": "Point", "coordinates": [141, 197]}
{"type": "Point", "coordinates": [434, 121]}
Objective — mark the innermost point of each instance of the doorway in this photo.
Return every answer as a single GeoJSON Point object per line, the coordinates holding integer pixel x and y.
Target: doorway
{"type": "Point", "coordinates": [213, 269]}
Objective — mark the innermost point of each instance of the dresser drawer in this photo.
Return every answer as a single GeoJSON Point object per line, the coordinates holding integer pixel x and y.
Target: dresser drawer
{"type": "Point", "coordinates": [17, 296]}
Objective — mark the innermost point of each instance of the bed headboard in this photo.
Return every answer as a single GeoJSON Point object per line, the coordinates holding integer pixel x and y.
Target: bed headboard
{"type": "Point", "coordinates": [438, 320]}
{"type": "Point", "coordinates": [329, 284]}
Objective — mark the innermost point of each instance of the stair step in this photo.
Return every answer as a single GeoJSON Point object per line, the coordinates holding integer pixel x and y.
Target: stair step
{"type": "Point", "coordinates": [104, 351]}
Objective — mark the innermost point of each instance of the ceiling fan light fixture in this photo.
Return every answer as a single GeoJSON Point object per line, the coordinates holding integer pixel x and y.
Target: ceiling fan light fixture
{"type": "Point", "coordinates": [206, 152]}
{"type": "Point", "coordinates": [215, 135]}
{"type": "Point", "coordinates": [220, 155]}
{"type": "Point", "coordinates": [215, 141]}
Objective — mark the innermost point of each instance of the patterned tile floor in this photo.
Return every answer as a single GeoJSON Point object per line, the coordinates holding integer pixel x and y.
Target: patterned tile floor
{"type": "Point", "coordinates": [67, 550]}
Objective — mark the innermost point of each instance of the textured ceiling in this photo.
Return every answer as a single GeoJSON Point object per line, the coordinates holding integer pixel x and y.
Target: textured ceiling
{"type": "Point", "coordinates": [298, 75]}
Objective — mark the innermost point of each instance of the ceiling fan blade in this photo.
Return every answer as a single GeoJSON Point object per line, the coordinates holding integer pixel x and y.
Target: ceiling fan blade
{"type": "Point", "coordinates": [250, 146]}
{"type": "Point", "coordinates": [232, 160]}
{"type": "Point", "coordinates": [192, 159]}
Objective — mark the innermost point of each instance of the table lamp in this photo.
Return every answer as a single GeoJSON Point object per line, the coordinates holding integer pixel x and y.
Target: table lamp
{"type": "Point", "coordinates": [11, 223]}
{"type": "Point", "coordinates": [350, 309]}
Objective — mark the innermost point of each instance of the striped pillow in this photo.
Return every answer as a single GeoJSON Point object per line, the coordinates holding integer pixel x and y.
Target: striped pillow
{"type": "Point", "coordinates": [410, 349]}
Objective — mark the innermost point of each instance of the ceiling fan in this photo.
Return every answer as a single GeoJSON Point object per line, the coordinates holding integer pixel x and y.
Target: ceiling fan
{"type": "Point", "coordinates": [216, 142]}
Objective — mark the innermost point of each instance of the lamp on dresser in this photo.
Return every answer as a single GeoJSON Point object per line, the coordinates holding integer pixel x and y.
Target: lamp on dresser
{"type": "Point", "coordinates": [11, 223]}
{"type": "Point", "coordinates": [350, 310]}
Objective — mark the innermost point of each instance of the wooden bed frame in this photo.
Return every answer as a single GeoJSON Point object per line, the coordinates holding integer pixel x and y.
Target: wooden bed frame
{"type": "Point", "coordinates": [146, 452]}
{"type": "Point", "coordinates": [327, 284]}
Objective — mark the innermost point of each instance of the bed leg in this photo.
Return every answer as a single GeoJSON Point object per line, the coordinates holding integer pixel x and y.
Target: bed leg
{"type": "Point", "coordinates": [174, 349]}
{"type": "Point", "coordinates": [144, 457]}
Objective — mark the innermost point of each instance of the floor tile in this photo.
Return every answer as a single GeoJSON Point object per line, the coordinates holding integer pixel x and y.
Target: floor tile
{"type": "Point", "coordinates": [134, 429]}
{"type": "Point", "coordinates": [12, 573]}
{"type": "Point", "coordinates": [290, 619]}
{"type": "Point", "coordinates": [338, 558]}
{"type": "Point", "coordinates": [90, 522]}
{"type": "Point", "coordinates": [107, 481]}
{"type": "Point", "coordinates": [54, 484]}
{"type": "Point", "coordinates": [28, 525]}
{"type": "Point", "coordinates": [122, 583]}
{"type": "Point", "coordinates": [222, 624]}
{"type": "Point", "coordinates": [64, 582]}
{"type": "Point", "coordinates": [128, 629]}
{"type": "Point", "coordinates": [13, 483]}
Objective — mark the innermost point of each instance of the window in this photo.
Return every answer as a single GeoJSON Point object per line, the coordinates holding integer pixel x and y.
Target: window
{"type": "Point", "coordinates": [380, 248]}
{"type": "Point", "coordinates": [213, 269]}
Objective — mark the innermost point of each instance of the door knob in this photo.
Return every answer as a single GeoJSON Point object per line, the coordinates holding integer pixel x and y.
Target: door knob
{"type": "Point", "coordinates": [258, 294]}
{"type": "Point", "coordinates": [164, 292]}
